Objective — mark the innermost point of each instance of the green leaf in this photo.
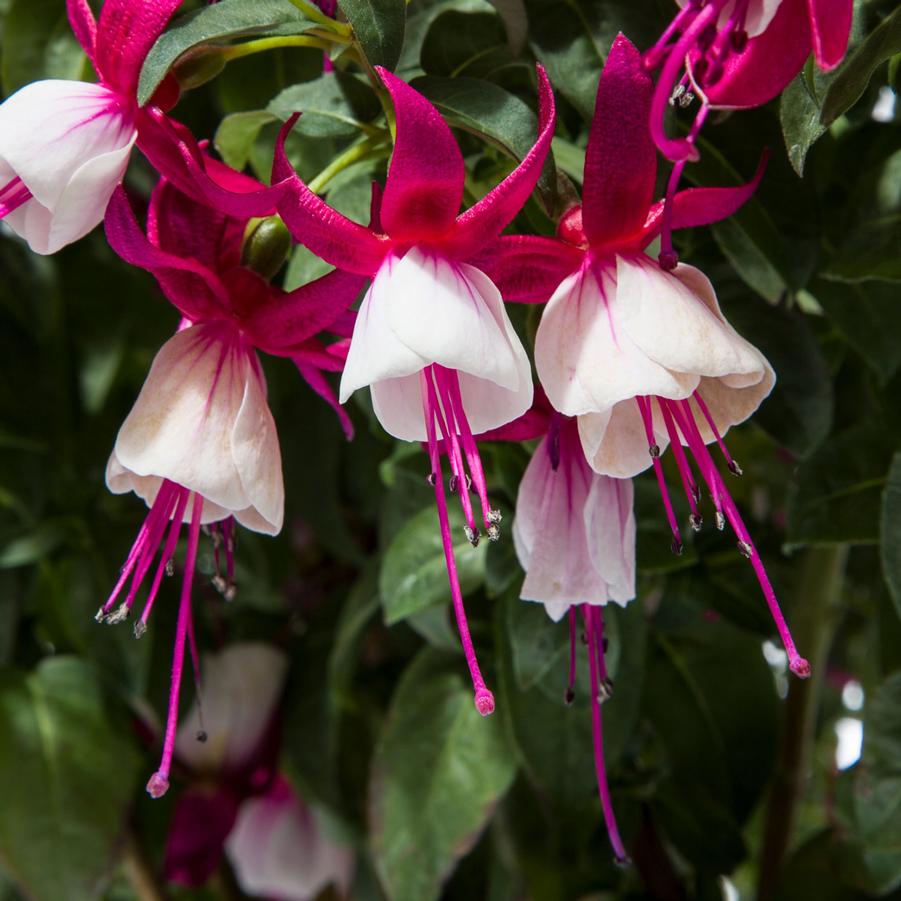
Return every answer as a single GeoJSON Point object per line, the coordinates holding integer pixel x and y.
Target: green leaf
{"type": "Point", "coordinates": [379, 28]}
{"type": "Point", "coordinates": [38, 43]}
{"type": "Point", "coordinates": [493, 114]}
{"type": "Point", "coordinates": [414, 572]}
{"type": "Point", "coordinates": [67, 772]}
{"type": "Point", "coordinates": [799, 113]}
{"type": "Point", "coordinates": [890, 531]}
{"type": "Point", "coordinates": [439, 770]}
{"type": "Point", "coordinates": [223, 21]}
{"type": "Point", "coordinates": [334, 105]}
{"type": "Point", "coordinates": [871, 251]}
{"type": "Point", "coordinates": [34, 546]}
{"type": "Point", "coordinates": [854, 76]}
{"type": "Point", "coordinates": [456, 38]}
{"type": "Point", "coordinates": [238, 133]}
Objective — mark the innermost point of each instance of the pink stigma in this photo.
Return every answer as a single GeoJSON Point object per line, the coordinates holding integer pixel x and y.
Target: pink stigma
{"type": "Point", "coordinates": [157, 786]}
{"type": "Point", "coordinates": [681, 420]}
{"type": "Point", "coordinates": [445, 416]}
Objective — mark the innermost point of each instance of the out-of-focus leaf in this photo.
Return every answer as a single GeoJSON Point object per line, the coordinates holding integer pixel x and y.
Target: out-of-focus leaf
{"type": "Point", "coordinates": [854, 76]}
{"type": "Point", "coordinates": [439, 769]}
{"type": "Point", "coordinates": [38, 43]}
{"type": "Point", "coordinates": [890, 531]}
{"type": "Point", "coordinates": [414, 572]}
{"type": "Point", "coordinates": [814, 872]}
{"type": "Point", "coordinates": [67, 771]}
{"type": "Point", "coordinates": [223, 21]}
{"type": "Point", "coordinates": [455, 38]}
{"type": "Point", "coordinates": [798, 413]}
{"type": "Point", "coordinates": [237, 134]}
{"type": "Point", "coordinates": [871, 251]}
{"type": "Point", "coordinates": [837, 492]}
{"type": "Point", "coordinates": [34, 546]}
{"type": "Point", "coordinates": [487, 110]}
{"type": "Point", "coordinates": [334, 105]}
{"type": "Point", "coordinates": [379, 28]}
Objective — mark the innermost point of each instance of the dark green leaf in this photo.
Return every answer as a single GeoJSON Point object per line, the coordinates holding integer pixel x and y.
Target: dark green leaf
{"type": "Point", "coordinates": [799, 112]}
{"type": "Point", "coordinates": [439, 770]}
{"type": "Point", "coordinates": [854, 76]}
{"type": "Point", "coordinates": [455, 38]}
{"type": "Point", "coordinates": [379, 28]}
{"type": "Point", "coordinates": [871, 251]}
{"type": "Point", "coordinates": [890, 531]}
{"type": "Point", "coordinates": [223, 21]}
{"type": "Point", "coordinates": [414, 572]}
{"type": "Point", "coordinates": [67, 772]}
{"type": "Point", "coordinates": [334, 105]}
{"type": "Point", "coordinates": [238, 133]}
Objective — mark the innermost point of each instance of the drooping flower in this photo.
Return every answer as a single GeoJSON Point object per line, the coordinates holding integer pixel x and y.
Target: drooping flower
{"type": "Point", "coordinates": [200, 445]}
{"type": "Point", "coordinates": [432, 339]}
{"type": "Point", "coordinates": [236, 802]}
{"type": "Point", "coordinates": [642, 356]}
{"type": "Point", "coordinates": [739, 54]}
{"type": "Point", "coordinates": [65, 145]}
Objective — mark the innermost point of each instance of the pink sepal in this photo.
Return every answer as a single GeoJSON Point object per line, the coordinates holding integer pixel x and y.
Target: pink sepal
{"type": "Point", "coordinates": [200, 823]}
{"type": "Point", "coordinates": [532, 424]}
{"type": "Point", "coordinates": [830, 25]}
{"type": "Point", "coordinates": [125, 33]}
{"type": "Point", "coordinates": [528, 268]}
{"type": "Point", "coordinates": [194, 290]}
{"type": "Point", "coordinates": [621, 159]}
{"type": "Point", "coordinates": [312, 222]}
{"type": "Point", "coordinates": [84, 25]}
{"type": "Point", "coordinates": [768, 63]}
{"type": "Point", "coordinates": [424, 187]}
{"type": "Point", "coordinates": [702, 206]}
{"type": "Point", "coordinates": [313, 376]}
{"type": "Point", "coordinates": [488, 218]}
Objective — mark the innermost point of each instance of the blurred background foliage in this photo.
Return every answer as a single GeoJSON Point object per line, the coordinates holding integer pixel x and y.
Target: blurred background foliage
{"type": "Point", "coordinates": [729, 779]}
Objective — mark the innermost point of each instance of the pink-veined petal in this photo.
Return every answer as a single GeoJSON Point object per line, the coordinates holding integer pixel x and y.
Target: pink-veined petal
{"type": "Point", "coordinates": [621, 159]}
{"type": "Point", "coordinates": [702, 206]}
{"type": "Point", "coordinates": [126, 31]}
{"type": "Point", "coordinates": [610, 526]}
{"type": "Point", "coordinates": [830, 25]}
{"type": "Point", "coordinates": [528, 268]}
{"type": "Point", "coordinates": [194, 289]}
{"type": "Point", "coordinates": [285, 320]}
{"type": "Point", "coordinates": [312, 222]}
{"type": "Point", "coordinates": [83, 24]}
{"type": "Point", "coordinates": [424, 187]}
{"type": "Point", "coordinates": [768, 63]}
{"type": "Point", "coordinates": [483, 222]}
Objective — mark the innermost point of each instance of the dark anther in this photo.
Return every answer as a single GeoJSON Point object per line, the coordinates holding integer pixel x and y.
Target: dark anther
{"type": "Point", "coordinates": [677, 547]}
{"type": "Point", "coordinates": [170, 567]}
{"type": "Point", "coordinates": [605, 690]}
{"type": "Point", "coordinates": [734, 468]}
{"type": "Point", "coordinates": [604, 645]}
{"type": "Point", "coordinates": [584, 637]}
{"type": "Point", "coordinates": [654, 450]}
{"type": "Point", "coordinates": [140, 628]}
{"type": "Point", "coordinates": [668, 260]}
{"type": "Point", "coordinates": [708, 36]}
{"type": "Point", "coordinates": [696, 493]}
{"type": "Point", "coordinates": [745, 549]}
{"type": "Point", "coordinates": [569, 697]}
{"type": "Point", "coordinates": [739, 40]}
{"type": "Point", "coordinates": [472, 535]}
{"type": "Point", "coordinates": [696, 521]}
{"type": "Point", "coordinates": [720, 520]}
{"type": "Point", "coordinates": [432, 479]}
{"type": "Point", "coordinates": [623, 862]}
{"type": "Point", "coordinates": [201, 736]}
{"type": "Point", "coordinates": [452, 484]}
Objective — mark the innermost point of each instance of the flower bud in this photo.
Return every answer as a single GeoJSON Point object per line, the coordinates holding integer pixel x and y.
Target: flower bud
{"type": "Point", "coordinates": [267, 244]}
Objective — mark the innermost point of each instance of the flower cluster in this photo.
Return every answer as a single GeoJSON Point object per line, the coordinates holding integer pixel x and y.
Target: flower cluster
{"type": "Point", "coordinates": [633, 355]}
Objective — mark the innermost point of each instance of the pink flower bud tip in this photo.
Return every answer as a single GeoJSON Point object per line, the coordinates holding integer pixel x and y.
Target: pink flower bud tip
{"type": "Point", "coordinates": [485, 702]}
{"type": "Point", "coordinates": [157, 786]}
{"type": "Point", "coordinates": [800, 667]}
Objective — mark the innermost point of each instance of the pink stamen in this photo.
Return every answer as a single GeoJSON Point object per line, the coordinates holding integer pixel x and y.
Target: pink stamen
{"type": "Point", "coordinates": [158, 784]}
{"type": "Point", "coordinates": [796, 663]}
{"type": "Point", "coordinates": [734, 468]}
{"type": "Point", "coordinates": [12, 195]}
{"type": "Point", "coordinates": [684, 419]}
{"type": "Point", "coordinates": [653, 57]}
{"type": "Point", "coordinates": [154, 537]}
{"type": "Point", "coordinates": [570, 695]}
{"type": "Point", "coordinates": [644, 407]}
{"type": "Point", "coordinates": [484, 699]}
{"type": "Point", "coordinates": [595, 654]}
{"type": "Point", "coordinates": [689, 484]}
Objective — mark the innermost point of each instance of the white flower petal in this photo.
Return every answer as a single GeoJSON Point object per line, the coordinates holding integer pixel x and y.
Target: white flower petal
{"type": "Point", "coordinates": [586, 361]}
{"type": "Point", "coordinates": [201, 421]}
{"type": "Point", "coordinates": [615, 442]}
{"type": "Point", "coordinates": [241, 686]}
{"type": "Point", "coordinates": [278, 850]}
{"type": "Point", "coordinates": [610, 528]}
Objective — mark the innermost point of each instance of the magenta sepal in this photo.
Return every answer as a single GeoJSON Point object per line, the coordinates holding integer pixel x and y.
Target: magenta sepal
{"type": "Point", "coordinates": [830, 25]}
{"type": "Point", "coordinates": [527, 268]}
{"type": "Point", "coordinates": [83, 24]}
{"type": "Point", "coordinates": [621, 159]}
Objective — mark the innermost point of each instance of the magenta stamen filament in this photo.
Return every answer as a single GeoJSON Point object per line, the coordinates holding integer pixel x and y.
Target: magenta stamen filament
{"type": "Point", "coordinates": [573, 629]}
{"type": "Point", "coordinates": [484, 699]}
{"type": "Point", "coordinates": [596, 667]}
{"type": "Point", "coordinates": [158, 784]}
{"type": "Point", "coordinates": [683, 418]}
{"type": "Point", "coordinates": [688, 481]}
{"type": "Point", "coordinates": [644, 407]}
{"type": "Point", "coordinates": [12, 195]}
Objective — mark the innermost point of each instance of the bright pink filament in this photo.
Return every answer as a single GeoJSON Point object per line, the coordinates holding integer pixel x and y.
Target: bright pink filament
{"type": "Point", "coordinates": [597, 674]}
{"type": "Point", "coordinates": [434, 421]}
{"type": "Point", "coordinates": [688, 480]}
{"type": "Point", "coordinates": [573, 629]}
{"type": "Point", "coordinates": [12, 195]}
{"type": "Point", "coordinates": [158, 784]}
{"type": "Point", "coordinates": [680, 420]}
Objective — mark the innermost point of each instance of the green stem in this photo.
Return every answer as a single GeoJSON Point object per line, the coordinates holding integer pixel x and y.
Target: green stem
{"type": "Point", "coordinates": [261, 45]}
{"type": "Point", "coordinates": [311, 11]}
{"type": "Point", "coordinates": [816, 616]}
{"type": "Point", "coordinates": [356, 152]}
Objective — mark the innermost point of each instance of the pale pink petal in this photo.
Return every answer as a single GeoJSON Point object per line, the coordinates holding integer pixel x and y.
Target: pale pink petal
{"type": "Point", "coordinates": [610, 528]}
{"type": "Point", "coordinates": [241, 689]}
{"type": "Point", "coordinates": [615, 442]}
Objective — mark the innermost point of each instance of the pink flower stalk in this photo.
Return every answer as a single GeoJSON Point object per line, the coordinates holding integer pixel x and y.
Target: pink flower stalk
{"type": "Point", "coordinates": [575, 538]}
{"type": "Point", "coordinates": [739, 54]}
{"type": "Point", "coordinates": [65, 145]}
{"type": "Point", "coordinates": [432, 339]}
{"type": "Point", "coordinates": [642, 356]}
{"type": "Point", "coordinates": [200, 445]}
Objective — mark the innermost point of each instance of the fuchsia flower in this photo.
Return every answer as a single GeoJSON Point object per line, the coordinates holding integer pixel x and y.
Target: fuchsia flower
{"type": "Point", "coordinates": [643, 357]}
{"type": "Point", "coordinates": [432, 339]}
{"type": "Point", "coordinates": [200, 445]}
{"type": "Point", "coordinates": [65, 145]}
{"type": "Point", "coordinates": [237, 802]}
{"type": "Point", "coordinates": [574, 533]}
{"type": "Point", "coordinates": [740, 53]}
